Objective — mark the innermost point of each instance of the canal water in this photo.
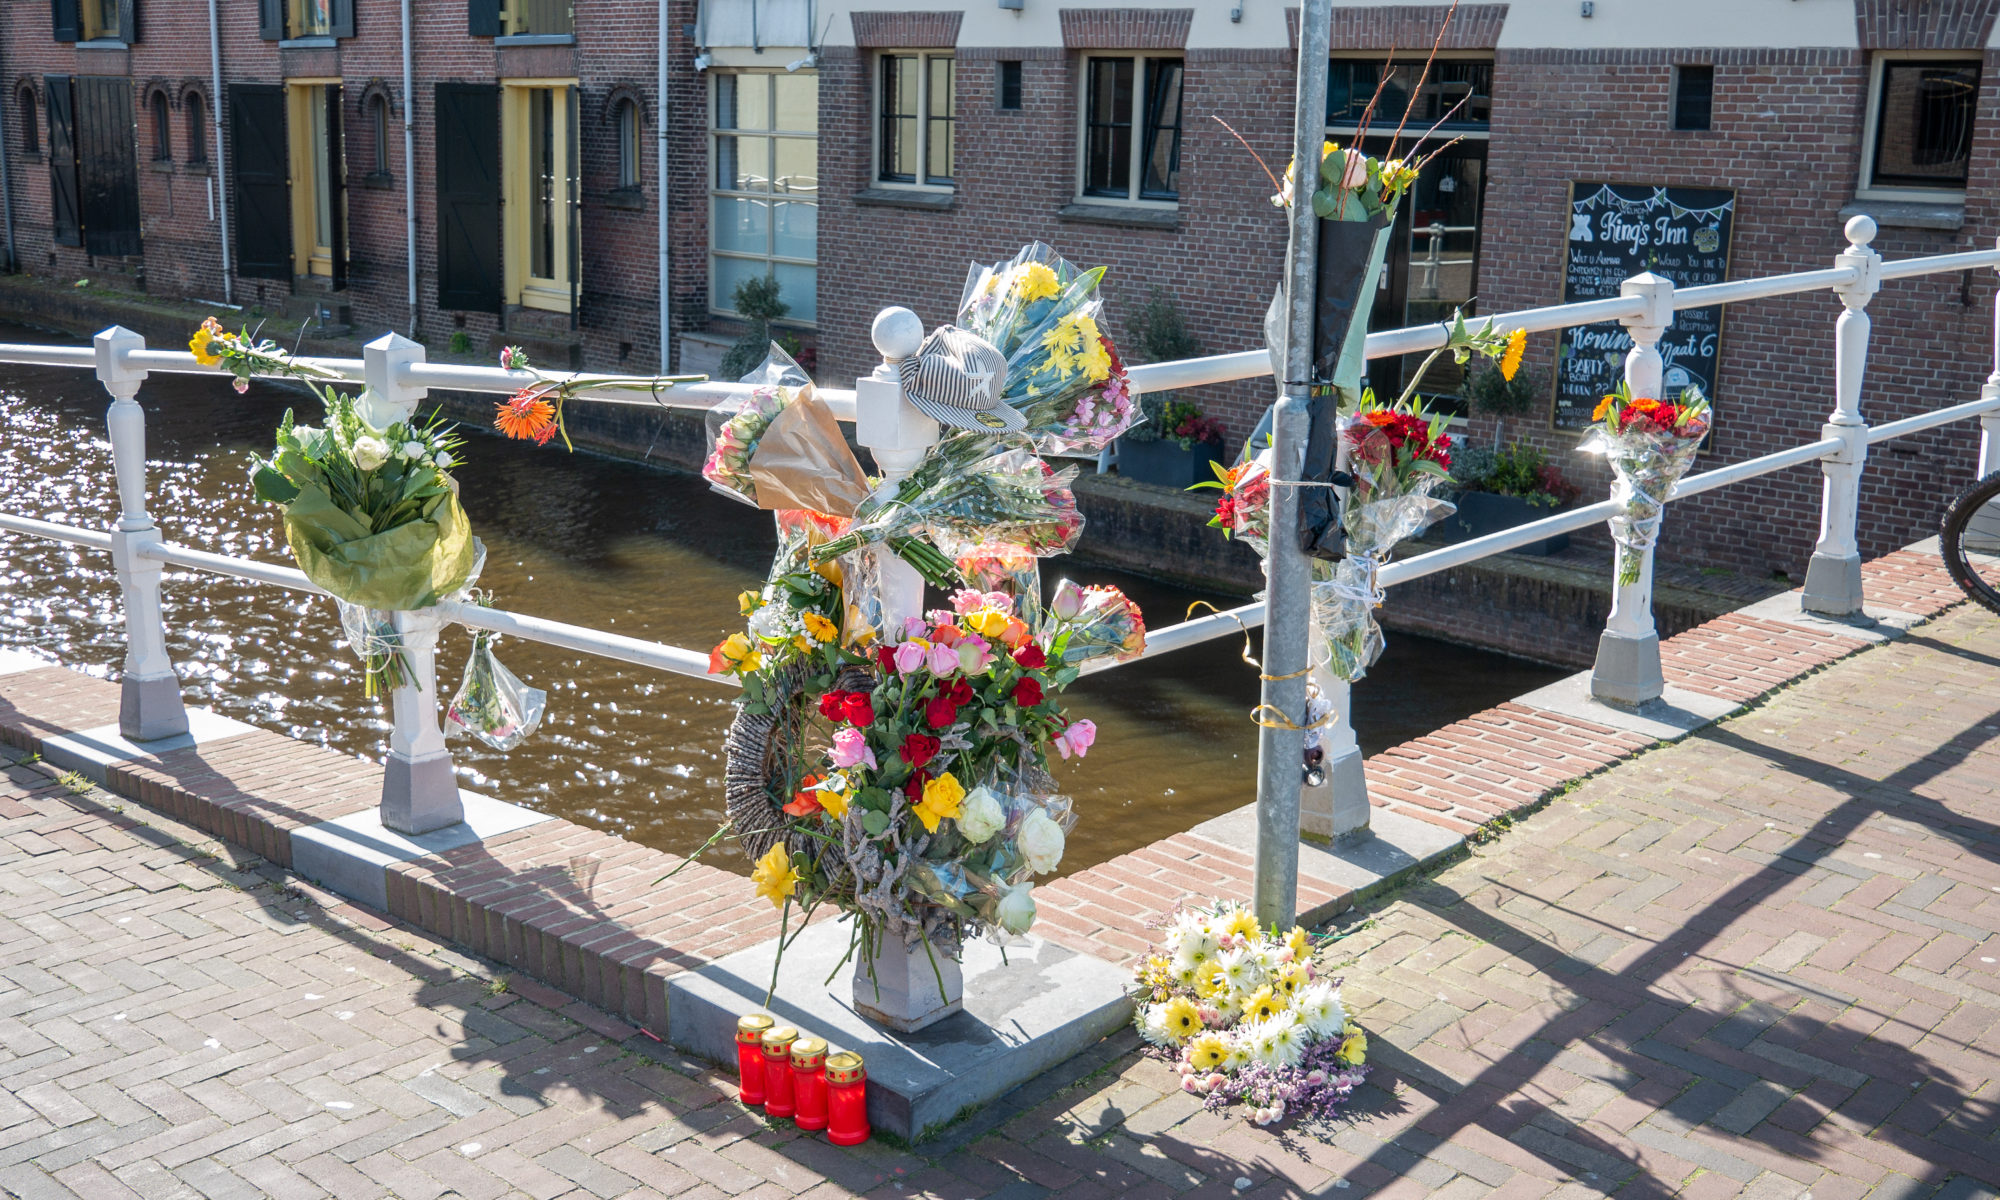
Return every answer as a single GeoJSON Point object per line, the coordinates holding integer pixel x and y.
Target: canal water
{"type": "Point", "coordinates": [638, 550]}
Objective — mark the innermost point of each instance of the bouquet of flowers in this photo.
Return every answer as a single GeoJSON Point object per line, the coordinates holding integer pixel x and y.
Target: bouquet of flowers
{"type": "Point", "coordinates": [1062, 370]}
{"type": "Point", "coordinates": [971, 490]}
{"type": "Point", "coordinates": [1650, 445]}
{"type": "Point", "coordinates": [1100, 622]}
{"type": "Point", "coordinates": [1246, 1018]}
{"type": "Point", "coordinates": [535, 413]}
{"type": "Point", "coordinates": [1397, 455]}
{"type": "Point", "coordinates": [800, 617]}
{"type": "Point", "coordinates": [779, 447]}
{"type": "Point", "coordinates": [492, 703]}
{"type": "Point", "coordinates": [1244, 511]}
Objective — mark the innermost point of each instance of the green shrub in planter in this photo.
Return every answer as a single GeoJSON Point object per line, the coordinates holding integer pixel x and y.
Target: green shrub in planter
{"type": "Point", "coordinates": [1499, 489]}
{"type": "Point", "coordinates": [1172, 445]}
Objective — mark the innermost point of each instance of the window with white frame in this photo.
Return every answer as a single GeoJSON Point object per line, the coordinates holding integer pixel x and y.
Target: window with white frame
{"type": "Point", "coordinates": [916, 108]}
{"type": "Point", "coordinates": [1132, 128]}
{"type": "Point", "coordinates": [764, 188]}
{"type": "Point", "coordinates": [1919, 135]}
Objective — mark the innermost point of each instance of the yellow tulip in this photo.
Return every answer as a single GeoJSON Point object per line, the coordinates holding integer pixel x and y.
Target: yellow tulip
{"type": "Point", "coordinates": [774, 876]}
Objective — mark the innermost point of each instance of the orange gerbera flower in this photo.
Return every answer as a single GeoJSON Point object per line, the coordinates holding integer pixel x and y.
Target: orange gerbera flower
{"type": "Point", "coordinates": [525, 415]}
{"type": "Point", "coordinates": [1604, 407]}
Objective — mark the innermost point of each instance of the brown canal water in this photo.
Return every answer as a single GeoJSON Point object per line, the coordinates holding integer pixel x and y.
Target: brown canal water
{"type": "Point", "coordinates": [634, 549]}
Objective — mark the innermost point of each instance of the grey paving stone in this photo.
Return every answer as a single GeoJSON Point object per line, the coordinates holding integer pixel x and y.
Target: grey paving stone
{"type": "Point", "coordinates": [1606, 1166]}
{"type": "Point", "coordinates": [1744, 1113]}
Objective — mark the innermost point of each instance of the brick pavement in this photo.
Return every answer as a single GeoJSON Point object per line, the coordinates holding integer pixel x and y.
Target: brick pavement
{"type": "Point", "coordinates": [1758, 962]}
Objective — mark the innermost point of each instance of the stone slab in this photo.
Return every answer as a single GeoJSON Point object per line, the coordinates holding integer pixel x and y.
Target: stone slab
{"type": "Point", "coordinates": [1397, 846]}
{"type": "Point", "coordinates": [351, 854]}
{"type": "Point", "coordinates": [1870, 625]}
{"type": "Point", "coordinates": [1040, 1006]}
{"type": "Point", "coordinates": [1673, 716]}
{"type": "Point", "coordinates": [92, 751]}
{"type": "Point", "coordinates": [13, 662]}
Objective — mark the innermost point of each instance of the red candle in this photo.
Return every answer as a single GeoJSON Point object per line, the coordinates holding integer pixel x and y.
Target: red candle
{"type": "Point", "coordinates": [778, 1099]}
{"type": "Point", "coordinates": [750, 1056]}
{"type": "Point", "coordinates": [846, 1099]}
{"type": "Point", "coordinates": [809, 1082]}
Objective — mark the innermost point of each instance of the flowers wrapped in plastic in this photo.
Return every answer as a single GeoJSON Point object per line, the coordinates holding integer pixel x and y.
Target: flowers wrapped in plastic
{"type": "Point", "coordinates": [1246, 1017]}
{"type": "Point", "coordinates": [492, 704]}
{"type": "Point", "coordinates": [1009, 829]}
{"type": "Point", "coordinates": [780, 447]}
{"type": "Point", "coordinates": [1244, 511]}
{"type": "Point", "coordinates": [1063, 372]}
{"type": "Point", "coordinates": [1650, 444]}
{"type": "Point", "coordinates": [1397, 456]}
{"type": "Point", "coordinates": [1101, 622]}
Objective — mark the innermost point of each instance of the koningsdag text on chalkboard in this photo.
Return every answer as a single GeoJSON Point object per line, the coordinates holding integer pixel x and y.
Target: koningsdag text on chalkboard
{"type": "Point", "coordinates": [1617, 230]}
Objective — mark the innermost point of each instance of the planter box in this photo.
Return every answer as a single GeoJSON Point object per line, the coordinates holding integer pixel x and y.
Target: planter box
{"type": "Point", "coordinates": [1165, 463]}
{"type": "Point", "coordinates": [1481, 513]}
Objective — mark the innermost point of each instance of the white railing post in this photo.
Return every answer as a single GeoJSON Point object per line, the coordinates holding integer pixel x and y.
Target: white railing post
{"type": "Point", "coordinates": [1989, 423]}
{"type": "Point", "coordinates": [1337, 806]}
{"type": "Point", "coordinates": [1628, 652]}
{"type": "Point", "coordinates": [1833, 577]}
{"type": "Point", "coordinates": [419, 786]}
{"type": "Point", "coordinates": [898, 435]}
{"type": "Point", "coordinates": [149, 705]}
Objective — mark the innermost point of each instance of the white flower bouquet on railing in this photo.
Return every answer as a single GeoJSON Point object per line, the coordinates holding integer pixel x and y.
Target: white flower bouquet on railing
{"type": "Point", "coordinates": [1650, 444]}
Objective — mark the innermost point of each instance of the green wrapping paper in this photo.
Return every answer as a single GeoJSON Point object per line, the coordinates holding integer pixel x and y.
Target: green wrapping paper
{"type": "Point", "coordinates": [413, 565]}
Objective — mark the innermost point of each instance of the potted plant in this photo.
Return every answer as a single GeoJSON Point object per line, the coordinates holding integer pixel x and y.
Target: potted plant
{"type": "Point", "coordinates": [1173, 445]}
{"type": "Point", "coordinates": [1499, 489]}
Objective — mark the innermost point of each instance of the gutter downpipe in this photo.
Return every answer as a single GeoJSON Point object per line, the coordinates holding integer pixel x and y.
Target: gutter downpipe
{"type": "Point", "coordinates": [13, 262]}
{"type": "Point", "coordinates": [660, 122]}
{"type": "Point", "coordinates": [409, 165]}
{"type": "Point", "coordinates": [221, 165]}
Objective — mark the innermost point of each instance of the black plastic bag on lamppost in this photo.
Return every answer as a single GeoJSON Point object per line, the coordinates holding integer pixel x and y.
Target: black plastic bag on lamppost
{"type": "Point", "coordinates": [1352, 246]}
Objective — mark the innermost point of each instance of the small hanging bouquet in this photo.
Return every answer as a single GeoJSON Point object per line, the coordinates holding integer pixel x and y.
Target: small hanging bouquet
{"type": "Point", "coordinates": [1063, 372]}
{"type": "Point", "coordinates": [1650, 445]}
{"type": "Point", "coordinates": [1099, 622]}
{"type": "Point", "coordinates": [1244, 510]}
{"type": "Point", "coordinates": [535, 413]}
{"type": "Point", "coordinates": [492, 704]}
{"type": "Point", "coordinates": [780, 447]}
{"type": "Point", "coordinates": [1246, 1018]}
{"type": "Point", "coordinates": [371, 511]}
{"type": "Point", "coordinates": [1397, 455]}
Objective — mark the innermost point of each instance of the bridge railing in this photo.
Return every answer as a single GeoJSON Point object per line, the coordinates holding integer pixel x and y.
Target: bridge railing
{"type": "Point", "coordinates": [1628, 663]}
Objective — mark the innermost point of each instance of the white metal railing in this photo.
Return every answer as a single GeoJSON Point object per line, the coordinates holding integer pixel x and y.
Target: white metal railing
{"type": "Point", "coordinates": [898, 436]}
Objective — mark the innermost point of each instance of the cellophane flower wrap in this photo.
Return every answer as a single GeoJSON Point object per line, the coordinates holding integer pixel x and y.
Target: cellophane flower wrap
{"type": "Point", "coordinates": [1246, 1017]}
{"type": "Point", "coordinates": [1397, 456]}
{"type": "Point", "coordinates": [1101, 622]}
{"type": "Point", "coordinates": [972, 490]}
{"type": "Point", "coordinates": [1243, 513]}
{"type": "Point", "coordinates": [1650, 444]}
{"type": "Point", "coordinates": [737, 424]}
{"type": "Point", "coordinates": [1063, 372]}
{"type": "Point", "coordinates": [492, 704]}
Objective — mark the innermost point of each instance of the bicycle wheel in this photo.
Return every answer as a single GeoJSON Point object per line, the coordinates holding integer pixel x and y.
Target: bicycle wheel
{"type": "Point", "coordinates": [1969, 539]}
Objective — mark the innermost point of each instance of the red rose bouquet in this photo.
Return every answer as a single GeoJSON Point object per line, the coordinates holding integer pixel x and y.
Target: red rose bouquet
{"type": "Point", "coordinates": [1650, 445]}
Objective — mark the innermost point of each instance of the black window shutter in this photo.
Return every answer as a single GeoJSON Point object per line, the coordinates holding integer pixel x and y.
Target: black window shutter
{"type": "Point", "coordinates": [68, 15]}
{"type": "Point", "coordinates": [468, 196]}
{"type": "Point", "coordinates": [343, 18]}
{"type": "Point", "coordinates": [482, 17]}
{"type": "Point", "coordinates": [128, 21]}
{"type": "Point", "coordinates": [261, 160]}
{"type": "Point", "coordinates": [336, 181]}
{"type": "Point", "coordinates": [271, 20]}
{"type": "Point", "coordinates": [107, 165]}
{"type": "Point", "coordinates": [64, 217]}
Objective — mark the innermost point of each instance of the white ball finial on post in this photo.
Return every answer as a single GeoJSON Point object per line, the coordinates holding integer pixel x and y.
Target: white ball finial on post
{"type": "Point", "coordinates": [897, 333]}
{"type": "Point", "coordinates": [1860, 230]}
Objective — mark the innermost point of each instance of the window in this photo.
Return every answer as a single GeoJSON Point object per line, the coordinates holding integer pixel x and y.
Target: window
{"type": "Point", "coordinates": [764, 144]}
{"type": "Point", "coordinates": [31, 123]}
{"type": "Point", "coordinates": [308, 18]}
{"type": "Point", "coordinates": [378, 134]}
{"type": "Point", "coordinates": [100, 20]}
{"type": "Point", "coordinates": [539, 194]}
{"type": "Point", "coordinates": [1458, 92]}
{"type": "Point", "coordinates": [319, 238]}
{"type": "Point", "coordinates": [95, 20]}
{"type": "Point", "coordinates": [1920, 125]}
{"type": "Point", "coordinates": [1694, 95]}
{"type": "Point", "coordinates": [1009, 86]}
{"type": "Point", "coordinates": [628, 145]}
{"type": "Point", "coordinates": [285, 20]}
{"type": "Point", "coordinates": [197, 127]}
{"type": "Point", "coordinates": [1118, 92]}
{"type": "Point", "coordinates": [537, 18]}
{"type": "Point", "coordinates": [163, 136]}
{"type": "Point", "coordinates": [916, 110]}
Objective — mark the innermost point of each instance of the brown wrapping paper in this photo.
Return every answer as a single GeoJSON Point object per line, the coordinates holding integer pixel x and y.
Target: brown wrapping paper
{"type": "Point", "coordinates": [802, 461]}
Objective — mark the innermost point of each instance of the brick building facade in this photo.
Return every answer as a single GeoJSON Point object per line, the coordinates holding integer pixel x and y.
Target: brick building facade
{"type": "Point", "coordinates": [1007, 126]}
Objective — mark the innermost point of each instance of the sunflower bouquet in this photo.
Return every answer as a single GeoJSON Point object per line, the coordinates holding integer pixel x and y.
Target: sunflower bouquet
{"type": "Point", "coordinates": [1650, 444]}
{"type": "Point", "coordinates": [1063, 372]}
{"type": "Point", "coordinates": [1246, 1017]}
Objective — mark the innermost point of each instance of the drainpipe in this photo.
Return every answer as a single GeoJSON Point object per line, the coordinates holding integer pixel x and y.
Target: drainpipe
{"type": "Point", "coordinates": [13, 262]}
{"type": "Point", "coordinates": [409, 166]}
{"type": "Point", "coordinates": [221, 165]}
{"type": "Point", "coordinates": [667, 289]}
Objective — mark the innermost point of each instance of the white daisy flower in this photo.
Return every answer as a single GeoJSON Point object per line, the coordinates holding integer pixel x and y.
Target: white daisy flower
{"type": "Point", "coordinates": [1320, 1010]}
{"type": "Point", "coordinates": [1281, 1042]}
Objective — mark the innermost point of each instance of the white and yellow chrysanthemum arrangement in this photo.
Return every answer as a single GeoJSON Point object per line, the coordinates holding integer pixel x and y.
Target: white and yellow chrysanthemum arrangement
{"type": "Point", "coordinates": [1245, 1017]}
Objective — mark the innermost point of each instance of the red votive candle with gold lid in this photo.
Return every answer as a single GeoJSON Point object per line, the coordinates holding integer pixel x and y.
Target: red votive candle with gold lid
{"type": "Point", "coordinates": [809, 1083]}
{"type": "Point", "coordinates": [750, 1056]}
{"type": "Point", "coordinates": [846, 1099]}
{"type": "Point", "coordinates": [778, 1098]}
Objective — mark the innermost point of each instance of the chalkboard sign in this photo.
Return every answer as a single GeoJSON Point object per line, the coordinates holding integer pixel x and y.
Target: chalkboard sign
{"type": "Point", "coordinates": [1617, 230]}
